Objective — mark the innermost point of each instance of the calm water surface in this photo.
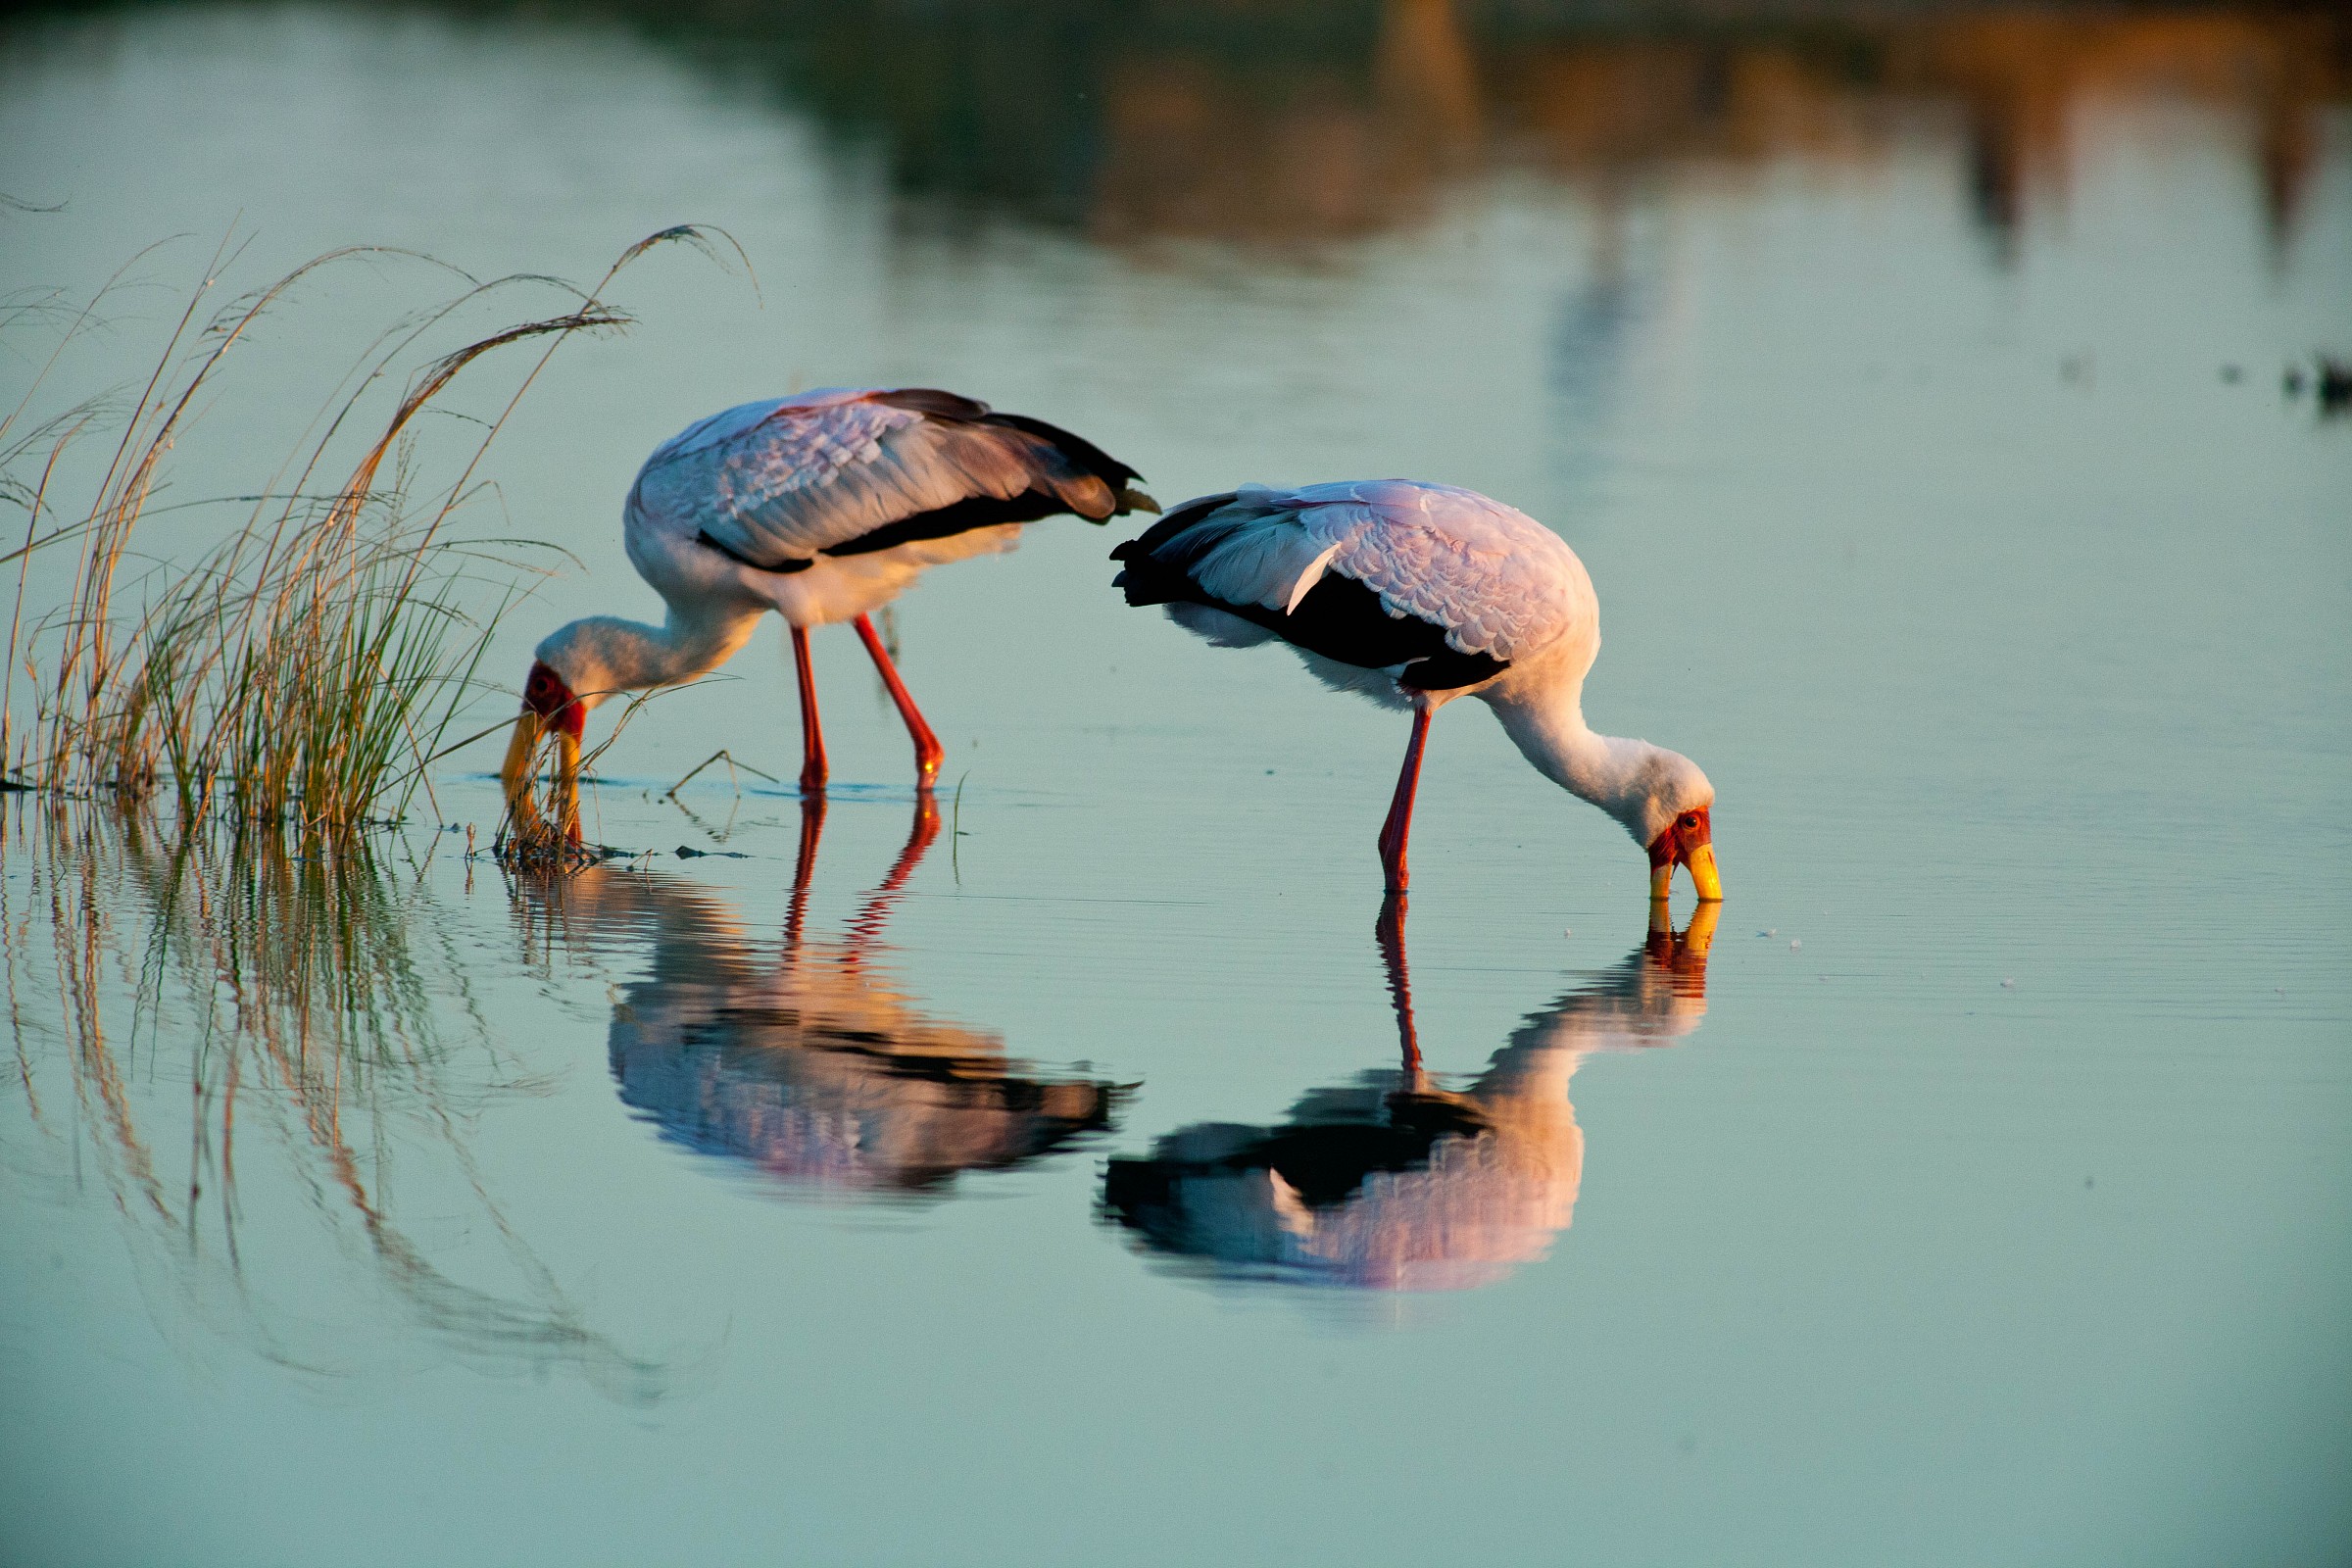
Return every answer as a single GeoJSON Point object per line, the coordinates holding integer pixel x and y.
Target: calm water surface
{"type": "Point", "coordinates": [1046, 1181]}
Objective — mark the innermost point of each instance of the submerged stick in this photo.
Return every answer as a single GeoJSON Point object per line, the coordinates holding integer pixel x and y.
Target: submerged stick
{"type": "Point", "coordinates": [719, 755]}
{"type": "Point", "coordinates": [956, 830]}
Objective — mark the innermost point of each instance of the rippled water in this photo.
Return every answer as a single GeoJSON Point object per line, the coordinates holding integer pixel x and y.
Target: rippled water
{"type": "Point", "coordinates": [1051, 1179]}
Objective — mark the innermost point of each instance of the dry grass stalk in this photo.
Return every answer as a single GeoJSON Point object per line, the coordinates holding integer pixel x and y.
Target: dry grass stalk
{"type": "Point", "coordinates": [304, 673]}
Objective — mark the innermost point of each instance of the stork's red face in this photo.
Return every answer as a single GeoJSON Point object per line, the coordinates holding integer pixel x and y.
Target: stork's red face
{"type": "Point", "coordinates": [546, 695]}
{"type": "Point", "coordinates": [1688, 840]}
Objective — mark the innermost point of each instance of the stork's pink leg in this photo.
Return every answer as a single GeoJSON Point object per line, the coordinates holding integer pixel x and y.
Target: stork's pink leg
{"type": "Point", "coordinates": [813, 733]}
{"type": "Point", "coordinates": [928, 752]}
{"type": "Point", "coordinates": [1400, 809]}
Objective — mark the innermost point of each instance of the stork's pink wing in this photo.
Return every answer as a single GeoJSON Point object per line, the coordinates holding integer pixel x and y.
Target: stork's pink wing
{"type": "Point", "coordinates": [778, 482]}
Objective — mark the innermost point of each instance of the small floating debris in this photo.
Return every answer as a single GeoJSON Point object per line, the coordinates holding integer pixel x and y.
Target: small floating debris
{"type": "Point", "coordinates": [2329, 377]}
{"type": "Point", "coordinates": [1770, 931]}
{"type": "Point", "coordinates": [2335, 383]}
{"type": "Point", "coordinates": [1797, 943]}
{"type": "Point", "coordinates": [2008, 985]}
{"type": "Point", "coordinates": [687, 852]}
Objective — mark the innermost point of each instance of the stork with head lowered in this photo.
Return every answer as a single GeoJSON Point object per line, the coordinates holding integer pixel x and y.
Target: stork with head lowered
{"type": "Point", "coordinates": [821, 507]}
{"type": "Point", "coordinates": [1414, 595]}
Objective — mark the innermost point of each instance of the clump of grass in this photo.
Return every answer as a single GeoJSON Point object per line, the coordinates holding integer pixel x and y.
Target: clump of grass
{"type": "Point", "coordinates": [305, 671]}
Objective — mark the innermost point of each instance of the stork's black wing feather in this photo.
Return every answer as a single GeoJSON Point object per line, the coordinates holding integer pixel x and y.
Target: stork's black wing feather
{"type": "Point", "coordinates": [1339, 617]}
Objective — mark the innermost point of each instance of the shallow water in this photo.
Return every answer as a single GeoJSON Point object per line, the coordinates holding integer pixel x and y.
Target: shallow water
{"type": "Point", "coordinates": [1974, 1192]}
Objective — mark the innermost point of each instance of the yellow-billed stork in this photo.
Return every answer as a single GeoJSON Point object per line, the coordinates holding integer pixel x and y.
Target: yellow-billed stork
{"type": "Point", "coordinates": [1416, 594]}
{"type": "Point", "coordinates": [821, 506]}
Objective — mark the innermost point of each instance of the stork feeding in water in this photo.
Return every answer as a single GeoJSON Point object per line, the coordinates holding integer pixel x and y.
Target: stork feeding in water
{"type": "Point", "coordinates": [1414, 595]}
{"type": "Point", "coordinates": [822, 507]}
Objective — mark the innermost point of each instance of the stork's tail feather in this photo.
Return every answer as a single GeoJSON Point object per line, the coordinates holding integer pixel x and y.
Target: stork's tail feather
{"type": "Point", "coordinates": [1151, 581]}
{"type": "Point", "coordinates": [1075, 450]}
{"type": "Point", "coordinates": [1088, 459]}
{"type": "Point", "coordinates": [1152, 540]}
{"type": "Point", "coordinates": [1156, 573]}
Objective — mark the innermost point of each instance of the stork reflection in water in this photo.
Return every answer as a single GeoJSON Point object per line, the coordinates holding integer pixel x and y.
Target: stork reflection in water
{"type": "Point", "coordinates": [803, 1059]}
{"type": "Point", "coordinates": [1392, 1183]}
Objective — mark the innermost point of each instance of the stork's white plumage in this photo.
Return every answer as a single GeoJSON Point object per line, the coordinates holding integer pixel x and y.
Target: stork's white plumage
{"type": "Point", "coordinates": [823, 507]}
{"type": "Point", "coordinates": [1414, 595]}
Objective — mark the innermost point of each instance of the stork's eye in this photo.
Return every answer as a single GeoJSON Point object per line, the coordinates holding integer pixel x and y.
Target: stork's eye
{"type": "Point", "coordinates": [1689, 819]}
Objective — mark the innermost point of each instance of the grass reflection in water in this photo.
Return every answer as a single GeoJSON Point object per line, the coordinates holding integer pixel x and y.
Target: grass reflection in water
{"type": "Point", "coordinates": [316, 1015]}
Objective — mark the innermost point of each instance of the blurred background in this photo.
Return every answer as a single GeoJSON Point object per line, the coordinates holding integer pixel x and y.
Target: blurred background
{"type": "Point", "coordinates": [1293, 122]}
{"type": "Point", "coordinates": [1290, 124]}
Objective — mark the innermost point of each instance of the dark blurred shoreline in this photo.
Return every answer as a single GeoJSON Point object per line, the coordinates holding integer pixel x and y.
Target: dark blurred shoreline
{"type": "Point", "coordinates": [1298, 122]}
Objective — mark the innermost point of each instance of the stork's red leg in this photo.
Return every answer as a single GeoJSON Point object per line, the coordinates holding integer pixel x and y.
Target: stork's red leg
{"type": "Point", "coordinates": [1390, 928]}
{"type": "Point", "coordinates": [866, 924]}
{"type": "Point", "coordinates": [928, 752]}
{"type": "Point", "coordinates": [804, 872]}
{"type": "Point", "coordinates": [1400, 809]}
{"type": "Point", "coordinates": [813, 734]}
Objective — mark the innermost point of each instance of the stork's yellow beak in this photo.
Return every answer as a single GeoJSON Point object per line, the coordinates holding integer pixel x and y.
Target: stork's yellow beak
{"type": "Point", "coordinates": [514, 774]}
{"type": "Point", "coordinates": [568, 785]}
{"type": "Point", "coordinates": [523, 757]}
{"type": "Point", "coordinates": [1704, 874]}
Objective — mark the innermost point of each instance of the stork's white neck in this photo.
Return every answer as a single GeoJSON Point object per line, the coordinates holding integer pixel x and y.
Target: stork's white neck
{"type": "Point", "coordinates": [1642, 786]}
{"type": "Point", "coordinates": [604, 655]}
{"type": "Point", "coordinates": [1532, 1068]}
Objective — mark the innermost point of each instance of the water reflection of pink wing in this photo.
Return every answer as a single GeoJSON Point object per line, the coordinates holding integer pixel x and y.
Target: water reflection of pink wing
{"type": "Point", "coordinates": [1388, 1184]}
{"type": "Point", "coordinates": [805, 1061]}
{"type": "Point", "coordinates": [822, 1075]}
